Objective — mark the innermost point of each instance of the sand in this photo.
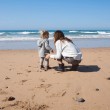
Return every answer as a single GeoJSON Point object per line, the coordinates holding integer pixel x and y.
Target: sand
{"type": "Point", "coordinates": [23, 86]}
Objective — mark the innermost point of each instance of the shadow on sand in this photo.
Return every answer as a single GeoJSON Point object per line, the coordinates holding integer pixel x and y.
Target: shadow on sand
{"type": "Point", "coordinates": [88, 68]}
{"type": "Point", "coordinates": [83, 68]}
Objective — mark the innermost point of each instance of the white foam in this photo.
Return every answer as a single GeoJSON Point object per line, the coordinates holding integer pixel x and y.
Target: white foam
{"type": "Point", "coordinates": [73, 31]}
{"type": "Point", "coordinates": [14, 38]}
{"type": "Point", "coordinates": [51, 32]}
{"type": "Point", "coordinates": [89, 36]}
{"type": "Point", "coordinates": [103, 33]}
{"type": "Point", "coordinates": [26, 32]}
{"type": "Point", "coordinates": [88, 32]}
{"type": "Point", "coordinates": [1, 33]}
{"type": "Point", "coordinates": [21, 38]}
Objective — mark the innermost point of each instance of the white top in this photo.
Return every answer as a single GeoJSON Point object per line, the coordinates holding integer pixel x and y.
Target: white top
{"type": "Point", "coordinates": [66, 49]}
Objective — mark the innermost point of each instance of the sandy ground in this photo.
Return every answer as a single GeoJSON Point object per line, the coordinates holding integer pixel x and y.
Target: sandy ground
{"type": "Point", "coordinates": [23, 86]}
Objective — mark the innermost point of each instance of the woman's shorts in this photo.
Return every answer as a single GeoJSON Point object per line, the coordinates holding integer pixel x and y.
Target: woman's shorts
{"type": "Point", "coordinates": [71, 60]}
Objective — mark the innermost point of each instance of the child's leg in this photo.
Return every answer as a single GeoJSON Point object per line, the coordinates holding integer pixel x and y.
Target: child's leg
{"type": "Point", "coordinates": [46, 64]}
{"type": "Point", "coordinates": [41, 62]}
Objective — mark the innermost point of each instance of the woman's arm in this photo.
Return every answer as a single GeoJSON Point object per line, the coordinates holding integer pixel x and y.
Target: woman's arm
{"type": "Point", "coordinates": [58, 51]}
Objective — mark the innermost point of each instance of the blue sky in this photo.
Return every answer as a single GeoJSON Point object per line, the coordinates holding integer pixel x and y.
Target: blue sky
{"type": "Point", "coordinates": [54, 14]}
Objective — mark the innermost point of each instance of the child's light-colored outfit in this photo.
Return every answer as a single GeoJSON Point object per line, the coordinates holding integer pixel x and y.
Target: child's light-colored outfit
{"type": "Point", "coordinates": [43, 49]}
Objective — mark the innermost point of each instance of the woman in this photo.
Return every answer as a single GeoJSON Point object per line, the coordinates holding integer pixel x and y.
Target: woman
{"type": "Point", "coordinates": [65, 50]}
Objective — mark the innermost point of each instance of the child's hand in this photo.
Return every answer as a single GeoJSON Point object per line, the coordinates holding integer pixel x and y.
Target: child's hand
{"type": "Point", "coordinates": [52, 51]}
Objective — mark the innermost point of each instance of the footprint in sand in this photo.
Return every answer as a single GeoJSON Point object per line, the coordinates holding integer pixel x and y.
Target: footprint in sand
{"type": "Point", "coordinates": [2, 92]}
{"type": "Point", "coordinates": [2, 108]}
{"type": "Point", "coordinates": [23, 81]}
{"type": "Point", "coordinates": [44, 86]}
{"type": "Point", "coordinates": [58, 94]}
{"type": "Point", "coordinates": [10, 69]}
{"type": "Point", "coordinates": [19, 73]}
{"type": "Point", "coordinates": [77, 93]}
{"type": "Point", "coordinates": [6, 87]}
{"type": "Point", "coordinates": [28, 106]}
{"type": "Point", "coordinates": [42, 80]}
{"type": "Point", "coordinates": [97, 89]}
{"type": "Point", "coordinates": [79, 99]}
{"type": "Point", "coordinates": [108, 78]}
{"type": "Point", "coordinates": [29, 71]}
{"type": "Point", "coordinates": [9, 99]}
{"type": "Point", "coordinates": [64, 93]}
{"type": "Point", "coordinates": [7, 78]}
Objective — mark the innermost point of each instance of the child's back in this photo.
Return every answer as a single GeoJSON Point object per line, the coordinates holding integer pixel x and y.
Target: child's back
{"type": "Point", "coordinates": [43, 49]}
{"type": "Point", "coordinates": [43, 46]}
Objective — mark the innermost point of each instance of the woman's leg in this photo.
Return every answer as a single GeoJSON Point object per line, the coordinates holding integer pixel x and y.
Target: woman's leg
{"type": "Point", "coordinates": [61, 65]}
{"type": "Point", "coordinates": [75, 65]}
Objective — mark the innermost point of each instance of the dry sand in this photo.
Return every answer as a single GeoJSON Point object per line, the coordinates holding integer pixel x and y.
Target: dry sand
{"type": "Point", "coordinates": [23, 86]}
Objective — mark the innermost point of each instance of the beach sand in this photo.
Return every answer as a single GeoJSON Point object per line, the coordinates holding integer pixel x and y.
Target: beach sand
{"type": "Point", "coordinates": [23, 86]}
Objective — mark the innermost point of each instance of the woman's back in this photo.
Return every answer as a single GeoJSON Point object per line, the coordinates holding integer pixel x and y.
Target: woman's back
{"type": "Point", "coordinates": [69, 49]}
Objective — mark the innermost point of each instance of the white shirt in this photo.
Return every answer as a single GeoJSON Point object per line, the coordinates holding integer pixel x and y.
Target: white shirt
{"type": "Point", "coordinates": [66, 49]}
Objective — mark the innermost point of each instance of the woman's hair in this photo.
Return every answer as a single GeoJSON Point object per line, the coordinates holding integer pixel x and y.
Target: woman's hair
{"type": "Point", "coordinates": [59, 35]}
{"type": "Point", "coordinates": [44, 34]}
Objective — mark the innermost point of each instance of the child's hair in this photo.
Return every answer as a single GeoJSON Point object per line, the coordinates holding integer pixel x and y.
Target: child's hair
{"type": "Point", "coordinates": [44, 34]}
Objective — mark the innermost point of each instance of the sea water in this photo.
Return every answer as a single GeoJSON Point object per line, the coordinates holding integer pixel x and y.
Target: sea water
{"type": "Point", "coordinates": [27, 39]}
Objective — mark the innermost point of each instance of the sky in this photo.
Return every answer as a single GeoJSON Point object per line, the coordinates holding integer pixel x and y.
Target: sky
{"type": "Point", "coordinates": [54, 14]}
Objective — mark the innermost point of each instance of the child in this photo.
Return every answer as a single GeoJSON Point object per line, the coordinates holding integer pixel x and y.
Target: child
{"type": "Point", "coordinates": [44, 48]}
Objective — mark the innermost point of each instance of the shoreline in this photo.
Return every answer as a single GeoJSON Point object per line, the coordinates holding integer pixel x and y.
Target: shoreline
{"type": "Point", "coordinates": [32, 45]}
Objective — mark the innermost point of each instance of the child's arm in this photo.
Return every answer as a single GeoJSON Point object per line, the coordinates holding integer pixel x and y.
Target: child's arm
{"type": "Point", "coordinates": [47, 46]}
{"type": "Point", "coordinates": [39, 43]}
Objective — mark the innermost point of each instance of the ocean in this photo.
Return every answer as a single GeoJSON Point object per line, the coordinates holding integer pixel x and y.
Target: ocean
{"type": "Point", "coordinates": [26, 39]}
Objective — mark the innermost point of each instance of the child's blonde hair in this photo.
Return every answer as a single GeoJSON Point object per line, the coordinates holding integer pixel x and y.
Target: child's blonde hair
{"type": "Point", "coordinates": [44, 34]}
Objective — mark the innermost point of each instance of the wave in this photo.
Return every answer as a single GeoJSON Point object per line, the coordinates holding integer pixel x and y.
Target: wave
{"type": "Point", "coordinates": [1, 33]}
{"type": "Point", "coordinates": [88, 32]}
{"type": "Point", "coordinates": [103, 33]}
{"type": "Point", "coordinates": [41, 32]}
{"type": "Point", "coordinates": [51, 32]}
{"type": "Point", "coordinates": [26, 32]}
{"type": "Point", "coordinates": [88, 36]}
{"type": "Point", "coordinates": [21, 38]}
{"type": "Point", "coordinates": [73, 31]}
{"type": "Point", "coordinates": [51, 38]}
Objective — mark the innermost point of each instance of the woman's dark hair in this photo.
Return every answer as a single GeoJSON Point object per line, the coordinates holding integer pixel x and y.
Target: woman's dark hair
{"type": "Point", "coordinates": [59, 35]}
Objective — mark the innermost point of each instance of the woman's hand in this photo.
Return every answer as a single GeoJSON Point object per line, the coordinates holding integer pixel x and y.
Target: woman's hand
{"type": "Point", "coordinates": [47, 56]}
